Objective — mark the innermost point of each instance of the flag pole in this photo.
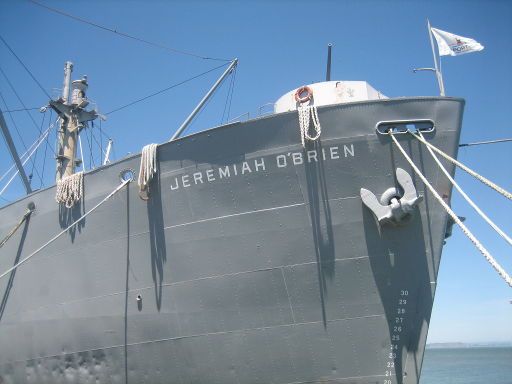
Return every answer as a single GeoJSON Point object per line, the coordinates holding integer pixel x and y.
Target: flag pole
{"type": "Point", "coordinates": [439, 75]}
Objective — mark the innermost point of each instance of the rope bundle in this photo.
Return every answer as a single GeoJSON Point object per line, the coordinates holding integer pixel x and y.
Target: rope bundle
{"type": "Point", "coordinates": [148, 166]}
{"type": "Point", "coordinates": [70, 189]}
{"type": "Point", "coordinates": [306, 114]}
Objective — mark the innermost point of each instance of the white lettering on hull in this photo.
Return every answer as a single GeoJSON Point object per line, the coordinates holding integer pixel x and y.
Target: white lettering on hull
{"type": "Point", "coordinates": [260, 164]}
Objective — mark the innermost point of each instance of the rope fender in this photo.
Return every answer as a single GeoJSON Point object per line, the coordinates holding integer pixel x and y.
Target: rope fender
{"type": "Point", "coordinates": [70, 189]}
{"type": "Point", "coordinates": [148, 168]}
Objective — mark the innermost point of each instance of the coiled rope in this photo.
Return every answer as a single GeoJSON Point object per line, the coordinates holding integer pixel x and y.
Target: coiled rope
{"type": "Point", "coordinates": [16, 227]}
{"type": "Point", "coordinates": [487, 182]}
{"type": "Point", "coordinates": [118, 188]}
{"type": "Point", "coordinates": [148, 166]}
{"type": "Point", "coordinates": [70, 189]}
{"type": "Point", "coordinates": [306, 114]}
{"type": "Point", "coordinates": [466, 197]}
{"type": "Point", "coordinates": [455, 218]}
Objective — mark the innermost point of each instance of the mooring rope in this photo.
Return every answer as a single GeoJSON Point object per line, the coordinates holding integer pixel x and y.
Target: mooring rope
{"type": "Point", "coordinates": [466, 197]}
{"type": "Point", "coordinates": [16, 227]}
{"type": "Point", "coordinates": [487, 182]}
{"type": "Point", "coordinates": [455, 218]}
{"type": "Point", "coordinates": [118, 188]}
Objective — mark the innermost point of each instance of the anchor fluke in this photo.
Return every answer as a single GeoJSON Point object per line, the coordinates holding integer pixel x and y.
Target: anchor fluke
{"type": "Point", "coordinates": [394, 208]}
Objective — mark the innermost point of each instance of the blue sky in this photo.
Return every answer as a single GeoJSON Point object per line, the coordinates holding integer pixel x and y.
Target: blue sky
{"type": "Point", "coordinates": [282, 45]}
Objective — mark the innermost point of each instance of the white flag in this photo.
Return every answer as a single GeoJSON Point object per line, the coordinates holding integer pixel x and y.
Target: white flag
{"type": "Point", "coordinates": [454, 45]}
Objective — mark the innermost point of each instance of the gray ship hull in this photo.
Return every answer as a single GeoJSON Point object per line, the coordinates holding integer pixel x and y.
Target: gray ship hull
{"type": "Point", "coordinates": [255, 261]}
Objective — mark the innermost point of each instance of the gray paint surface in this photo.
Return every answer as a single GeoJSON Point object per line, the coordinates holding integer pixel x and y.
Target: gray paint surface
{"type": "Point", "coordinates": [276, 275]}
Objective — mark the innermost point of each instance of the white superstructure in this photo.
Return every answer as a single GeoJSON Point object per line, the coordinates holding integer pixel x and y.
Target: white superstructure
{"type": "Point", "coordinates": [331, 92]}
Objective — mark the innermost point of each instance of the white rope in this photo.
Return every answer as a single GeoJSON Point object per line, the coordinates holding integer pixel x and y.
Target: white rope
{"type": "Point", "coordinates": [487, 182]}
{"type": "Point", "coordinates": [455, 218]}
{"type": "Point", "coordinates": [306, 114]}
{"type": "Point", "coordinates": [467, 198]}
{"type": "Point", "coordinates": [148, 165]}
{"type": "Point", "coordinates": [64, 230]}
{"type": "Point", "coordinates": [70, 189]}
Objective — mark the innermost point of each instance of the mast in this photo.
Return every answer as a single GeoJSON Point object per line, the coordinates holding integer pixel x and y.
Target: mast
{"type": "Point", "coordinates": [14, 153]}
{"type": "Point", "coordinates": [67, 160]}
{"type": "Point", "coordinates": [68, 69]}
{"type": "Point", "coordinates": [74, 116]}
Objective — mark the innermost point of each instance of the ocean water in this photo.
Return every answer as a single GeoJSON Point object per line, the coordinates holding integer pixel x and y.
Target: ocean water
{"type": "Point", "coordinates": [479, 365]}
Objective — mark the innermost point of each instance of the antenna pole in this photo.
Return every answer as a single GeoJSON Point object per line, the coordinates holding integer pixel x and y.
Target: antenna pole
{"type": "Point", "coordinates": [438, 72]}
{"type": "Point", "coordinates": [14, 153]}
{"type": "Point", "coordinates": [328, 73]}
{"type": "Point", "coordinates": [188, 120]}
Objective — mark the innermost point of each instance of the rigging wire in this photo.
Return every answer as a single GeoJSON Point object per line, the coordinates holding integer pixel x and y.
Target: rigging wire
{"type": "Point", "coordinates": [26, 68]}
{"type": "Point", "coordinates": [101, 142]}
{"type": "Point", "coordinates": [47, 144]}
{"type": "Point", "coordinates": [20, 100]}
{"type": "Point", "coordinates": [14, 123]}
{"type": "Point", "coordinates": [37, 151]}
{"type": "Point", "coordinates": [39, 142]}
{"type": "Point", "coordinates": [226, 102]}
{"type": "Point", "coordinates": [164, 90]}
{"type": "Point", "coordinates": [98, 144]}
{"type": "Point", "coordinates": [231, 97]}
{"type": "Point", "coordinates": [486, 142]}
{"type": "Point", "coordinates": [39, 128]}
{"type": "Point", "coordinates": [230, 88]}
{"type": "Point", "coordinates": [104, 135]}
{"type": "Point", "coordinates": [23, 109]}
{"type": "Point", "coordinates": [22, 157]}
{"type": "Point", "coordinates": [126, 35]}
{"type": "Point", "coordinates": [21, 138]}
{"type": "Point", "coordinates": [90, 149]}
{"type": "Point", "coordinates": [91, 157]}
